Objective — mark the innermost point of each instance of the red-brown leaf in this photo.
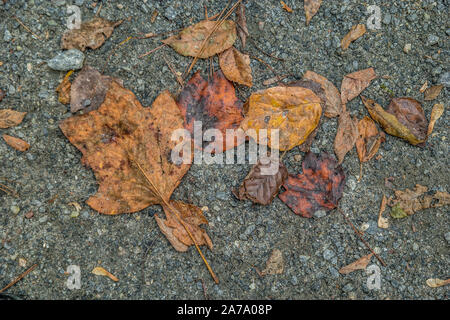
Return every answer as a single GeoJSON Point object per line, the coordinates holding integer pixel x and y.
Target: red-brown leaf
{"type": "Point", "coordinates": [214, 103]}
{"type": "Point", "coordinates": [319, 187]}
{"type": "Point", "coordinates": [354, 83]}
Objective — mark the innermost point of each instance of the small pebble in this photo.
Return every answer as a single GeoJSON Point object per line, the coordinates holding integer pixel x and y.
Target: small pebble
{"type": "Point", "coordinates": [407, 48]}
{"type": "Point", "coordinates": [15, 209]}
{"type": "Point", "coordinates": [67, 60]}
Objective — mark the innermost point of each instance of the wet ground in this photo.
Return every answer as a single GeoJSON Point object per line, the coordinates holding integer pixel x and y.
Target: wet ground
{"type": "Point", "coordinates": [49, 175]}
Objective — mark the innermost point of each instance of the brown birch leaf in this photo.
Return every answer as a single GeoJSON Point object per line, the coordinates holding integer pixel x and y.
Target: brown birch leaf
{"type": "Point", "coordinates": [354, 83]}
{"type": "Point", "coordinates": [16, 143]}
{"type": "Point", "coordinates": [311, 8]}
{"type": "Point", "coordinates": [241, 24]}
{"type": "Point", "coordinates": [359, 264]}
{"type": "Point", "coordinates": [92, 34]}
{"type": "Point", "coordinates": [355, 32]}
{"type": "Point", "coordinates": [369, 139]}
{"type": "Point", "coordinates": [346, 135]}
{"type": "Point", "coordinates": [236, 66]}
{"type": "Point", "coordinates": [333, 104]}
{"type": "Point", "coordinates": [436, 113]}
{"type": "Point", "coordinates": [275, 263]}
{"type": "Point", "coordinates": [262, 188]}
{"type": "Point", "coordinates": [10, 118]}
{"type": "Point", "coordinates": [88, 90]}
{"type": "Point", "coordinates": [189, 41]}
{"type": "Point", "coordinates": [432, 92]}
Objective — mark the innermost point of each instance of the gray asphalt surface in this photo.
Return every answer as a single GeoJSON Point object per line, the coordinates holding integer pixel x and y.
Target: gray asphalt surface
{"type": "Point", "coordinates": [132, 247]}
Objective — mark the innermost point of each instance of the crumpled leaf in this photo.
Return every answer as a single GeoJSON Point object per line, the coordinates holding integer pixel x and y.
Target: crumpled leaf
{"type": "Point", "coordinates": [404, 118]}
{"type": "Point", "coordinates": [432, 92]}
{"type": "Point", "coordinates": [435, 283]}
{"type": "Point", "coordinates": [260, 188]}
{"type": "Point", "coordinates": [275, 263]}
{"type": "Point", "coordinates": [436, 113]}
{"type": "Point", "coordinates": [383, 222]}
{"type": "Point", "coordinates": [319, 187]}
{"type": "Point", "coordinates": [369, 139]}
{"type": "Point", "coordinates": [359, 264]}
{"type": "Point", "coordinates": [120, 135]}
{"type": "Point", "coordinates": [241, 22]}
{"type": "Point", "coordinates": [408, 202]}
{"type": "Point", "coordinates": [16, 143]}
{"type": "Point", "coordinates": [214, 103]}
{"type": "Point", "coordinates": [333, 105]}
{"type": "Point", "coordinates": [295, 111]}
{"type": "Point", "coordinates": [63, 89]}
{"type": "Point", "coordinates": [346, 135]}
{"type": "Point", "coordinates": [10, 118]}
{"type": "Point", "coordinates": [89, 89]}
{"type": "Point", "coordinates": [174, 230]}
{"type": "Point", "coordinates": [190, 40]}
{"type": "Point", "coordinates": [92, 34]}
{"type": "Point", "coordinates": [236, 66]}
{"type": "Point", "coordinates": [99, 271]}
{"type": "Point", "coordinates": [286, 7]}
{"type": "Point", "coordinates": [355, 32]}
{"type": "Point", "coordinates": [354, 83]}
{"type": "Point", "coordinates": [311, 8]}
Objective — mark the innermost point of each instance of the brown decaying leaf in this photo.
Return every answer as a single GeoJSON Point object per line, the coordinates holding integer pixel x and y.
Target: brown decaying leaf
{"type": "Point", "coordinates": [275, 263]}
{"type": "Point", "coordinates": [118, 135]}
{"type": "Point", "coordinates": [63, 89]}
{"type": "Point", "coordinates": [435, 283]}
{"type": "Point", "coordinates": [354, 83]}
{"type": "Point", "coordinates": [346, 135]}
{"type": "Point", "coordinates": [89, 89]}
{"type": "Point", "coordinates": [241, 22]}
{"type": "Point", "coordinates": [99, 271]}
{"type": "Point", "coordinates": [189, 41]}
{"type": "Point", "coordinates": [2, 94]}
{"type": "Point", "coordinates": [411, 201]}
{"type": "Point", "coordinates": [359, 264]}
{"type": "Point", "coordinates": [92, 34]}
{"type": "Point", "coordinates": [129, 149]}
{"type": "Point", "coordinates": [369, 139]}
{"type": "Point", "coordinates": [432, 92]}
{"type": "Point", "coordinates": [319, 187]}
{"type": "Point", "coordinates": [176, 233]}
{"type": "Point", "coordinates": [355, 32]}
{"type": "Point", "coordinates": [436, 113]}
{"type": "Point", "coordinates": [295, 111]}
{"type": "Point", "coordinates": [10, 118]}
{"type": "Point", "coordinates": [383, 222]}
{"type": "Point", "coordinates": [260, 188]}
{"type": "Point", "coordinates": [404, 118]}
{"type": "Point", "coordinates": [16, 143]}
{"type": "Point", "coordinates": [311, 8]}
{"type": "Point", "coordinates": [333, 105]}
{"type": "Point", "coordinates": [236, 66]}
{"type": "Point", "coordinates": [424, 87]}
{"type": "Point", "coordinates": [215, 104]}
{"type": "Point", "coordinates": [286, 7]}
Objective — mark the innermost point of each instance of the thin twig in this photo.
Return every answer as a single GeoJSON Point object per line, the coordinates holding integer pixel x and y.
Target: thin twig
{"type": "Point", "coordinates": [358, 233]}
{"type": "Point", "coordinates": [8, 190]}
{"type": "Point", "coordinates": [177, 76]}
{"type": "Point", "coordinates": [26, 28]}
{"type": "Point", "coordinates": [22, 275]}
{"type": "Point", "coordinates": [151, 51]}
{"type": "Point", "coordinates": [175, 212]}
